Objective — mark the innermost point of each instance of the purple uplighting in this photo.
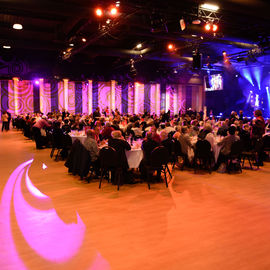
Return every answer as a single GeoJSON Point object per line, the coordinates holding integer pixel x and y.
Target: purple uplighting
{"type": "Point", "coordinates": [61, 241]}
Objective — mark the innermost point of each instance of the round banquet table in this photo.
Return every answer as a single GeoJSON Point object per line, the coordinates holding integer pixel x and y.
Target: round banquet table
{"type": "Point", "coordinates": [134, 157]}
{"type": "Point", "coordinates": [81, 138]}
{"type": "Point", "coordinates": [216, 148]}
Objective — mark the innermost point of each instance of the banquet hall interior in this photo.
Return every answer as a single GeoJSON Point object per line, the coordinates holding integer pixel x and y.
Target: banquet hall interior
{"type": "Point", "coordinates": [135, 134]}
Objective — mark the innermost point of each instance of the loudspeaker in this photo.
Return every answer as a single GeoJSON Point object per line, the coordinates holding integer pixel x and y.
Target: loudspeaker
{"type": "Point", "coordinates": [197, 61]}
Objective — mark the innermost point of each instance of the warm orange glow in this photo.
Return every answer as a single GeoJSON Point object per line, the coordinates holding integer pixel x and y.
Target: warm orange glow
{"type": "Point", "coordinates": [113, 11]}
{"type": "Point", "coordinates": [215, 27]}
{"type": "Point", "coordinates": [170, 47]}
{"type": "Point", "coordinates": [99, 12]}
{"type": "Point", "coordinates": [207, 27]}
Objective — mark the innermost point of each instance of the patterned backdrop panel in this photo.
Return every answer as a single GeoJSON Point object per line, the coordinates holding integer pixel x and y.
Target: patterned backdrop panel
{"type": "Point", "coordinates": [118, 97]}
{"type": "Point", "coordinates": [147, 97]}
{"type": "Point", "coordinates": [104, 95]}
{"type": "Point", "coordinates": [181, 98]}
{"type": "Point", "coordinates": [139, 98]}
{"type": "Point", "coordinates": [25, 97]}
{"type": "Point", "coordinates": [78, 97]}
{"type": "Point", "coordinates": [130, 98]}
{"type": "Point", "coordinates": [54, 95]}
{"type": "Point", "coordinates": [61, 101]}
{"type": "Point", "coordinates": [11, 99]}
{"type": "Point", "coordinates": [71, 97]}
{"type": "Point", "coordinates": [84, 97]}
{"type": "Point", "coordinates": [46, 97]}
{"type": "Point", "coordinates": [4, 95]}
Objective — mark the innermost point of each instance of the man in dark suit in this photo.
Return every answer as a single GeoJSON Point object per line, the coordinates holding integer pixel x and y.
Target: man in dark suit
{"type": "Point", "coordinates": [120, 145]}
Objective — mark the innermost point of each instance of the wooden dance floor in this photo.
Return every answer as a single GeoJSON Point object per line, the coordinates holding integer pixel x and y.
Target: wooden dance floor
{"type": "Point", "coordinates": [53, 220]}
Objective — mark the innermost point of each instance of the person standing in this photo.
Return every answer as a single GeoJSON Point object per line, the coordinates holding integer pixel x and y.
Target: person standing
{"type": "Point", "coordinates": [257, 131]}
{"type": "Point", "coordinates": [4, 119]}
{"type": "Point", "coordinates": [9, 119]}
{"type": "Point", "coordinates": [40, 124]}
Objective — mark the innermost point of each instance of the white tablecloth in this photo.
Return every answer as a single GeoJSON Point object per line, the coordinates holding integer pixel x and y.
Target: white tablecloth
{"type": "Point", "coordinates": [134, 157]}
{"type": "Point", "coordinates": [216, 148]}
{"type": "Point", "coordinates": [81, 138]}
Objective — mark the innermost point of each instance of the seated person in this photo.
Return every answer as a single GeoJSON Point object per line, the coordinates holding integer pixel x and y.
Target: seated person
{"type": "Point", "coordinates": [169, 128]}
{"type": "Point", "coordinates": [244, 135]}
{"type": "Point", "coordinates": [118, 142]}
{"type": "Point", "coordinates": [155, 136]}
{"type": "Point", "coordinates": [185, 142]}
{"type": "Point", "coordinates": [91, 146]}
{"type": "Point", "coordinates": [66, 127]}
{"type": "Point", "coordinates": [137, 130]}
{"type": "Point", "coordinates": [106, 132]}
{"type": "Point", "coordinates": [148, 146]}
{"type": "Point", "coordinates": [166, 142]}
{"type": "Point", "coordinates": [226, 144]}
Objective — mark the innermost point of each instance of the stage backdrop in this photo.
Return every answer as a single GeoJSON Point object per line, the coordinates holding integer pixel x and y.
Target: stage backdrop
{"type": "Point", "coordinates": [83, 97]}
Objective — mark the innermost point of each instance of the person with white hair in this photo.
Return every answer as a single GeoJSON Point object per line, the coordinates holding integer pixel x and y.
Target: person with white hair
{"type": "Point", "coordinates": [120, 145]}
{"type": "Point", "coordinates": [91, 146]}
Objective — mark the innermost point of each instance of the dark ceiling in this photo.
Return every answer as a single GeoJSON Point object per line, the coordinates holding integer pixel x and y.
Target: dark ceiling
{"type": "Point", "coordinates": [49, 26]}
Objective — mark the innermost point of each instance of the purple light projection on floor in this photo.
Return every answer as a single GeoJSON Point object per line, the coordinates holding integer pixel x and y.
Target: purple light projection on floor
{"type": "Point", "coordinates": [10, 254]}
{"type": "Point", "coordinates": [43, 230]}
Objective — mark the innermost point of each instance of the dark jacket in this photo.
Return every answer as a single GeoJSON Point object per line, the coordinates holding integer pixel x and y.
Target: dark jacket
{"type": "Point", "coordinates": [79, 160]}
{"type": "Point", "coordinates": [148, 146]}
{"type": "Point", "coordinates": [120, 146]}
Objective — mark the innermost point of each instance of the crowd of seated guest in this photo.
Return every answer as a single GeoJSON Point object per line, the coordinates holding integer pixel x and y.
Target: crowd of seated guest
{"type": "Point", "coordinates": [154, 130]}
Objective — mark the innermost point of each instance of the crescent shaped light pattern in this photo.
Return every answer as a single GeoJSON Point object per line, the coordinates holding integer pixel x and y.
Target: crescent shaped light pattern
{"type": "Point", "coordinates": [60, 242]}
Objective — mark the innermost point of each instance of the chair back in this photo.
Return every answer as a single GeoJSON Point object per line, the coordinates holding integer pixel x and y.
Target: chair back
{"type": "Point", "coordinates": [57, 140]}
{"type": "Point", "coordinates": [266, 142]}
{"type": "Point", "coordinates": [159, 156]}
{"type": "Point", "coordinates": [202, 149]}
{"type": "Point", "coordinates": [176, 147]}
{"type": "Point", "coordinates": [108, 158]}
{"type": "Point", "coordinates": [236, 148]}
{"type": "Point", "coordinates": [67, 141]}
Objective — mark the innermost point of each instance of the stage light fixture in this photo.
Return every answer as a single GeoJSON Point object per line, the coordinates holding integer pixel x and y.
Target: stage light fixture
{"type": "Point", "coordinates": [83, 39]}
{"type": "Point", "coordinates": [117, 3]}
{"type": "Point", "coordinates": [64, 53]}
{"type": "Point", "coordinates": [71, 44]}
{"type": "Point", "coordinates": [6, 47]}
{"type": "Point", "coordinates": [139, 46]}
{"type": "Point", "coordinates": [113, 11]}
{"type": "Point", "coordinates": [207, 27]}
{"type": "Point", "coordinates": [108, 21]}
{"type": "Point", "coordinates": [36, 82]}
{"type": "Point", "coordinates": [17, 26]}
{"type": "Point", "coordinates": [215, 27]}
{"type": "Point", "coordinates": [99, 12]}
{"type": "Point", "coordinates": [209, 7]}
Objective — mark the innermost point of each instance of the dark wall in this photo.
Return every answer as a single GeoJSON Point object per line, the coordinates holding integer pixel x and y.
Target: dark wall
{"type": "Point", "coordinates": [229, 99]}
